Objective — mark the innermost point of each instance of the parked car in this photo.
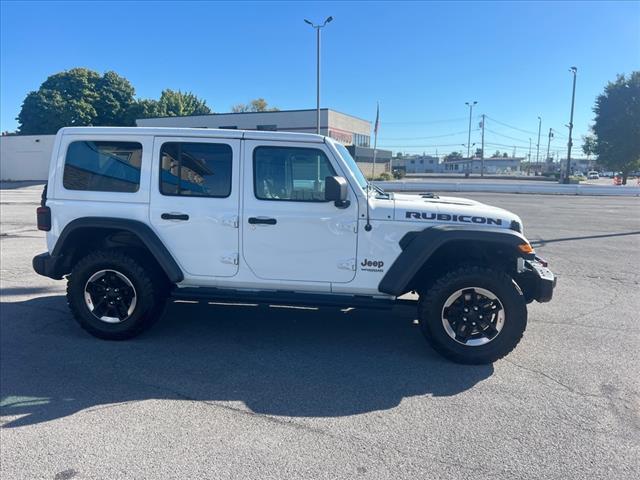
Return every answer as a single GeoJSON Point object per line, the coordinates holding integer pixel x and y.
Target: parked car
{"type": "Point", "coordinates": [137, 215]}
{"type": "Point", "coordinates": [593, 175]}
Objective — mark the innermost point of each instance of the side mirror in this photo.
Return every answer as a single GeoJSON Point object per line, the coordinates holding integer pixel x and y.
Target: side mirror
{"type": "Point", "coordinates": [335, 189]}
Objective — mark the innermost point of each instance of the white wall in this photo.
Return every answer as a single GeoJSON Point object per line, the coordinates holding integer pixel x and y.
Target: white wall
{"type": "Point", "coordinates": [25, 157]}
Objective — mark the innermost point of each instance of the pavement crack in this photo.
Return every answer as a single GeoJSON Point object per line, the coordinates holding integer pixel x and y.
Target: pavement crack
{"type": "Point", "coordinates": [564, 385]}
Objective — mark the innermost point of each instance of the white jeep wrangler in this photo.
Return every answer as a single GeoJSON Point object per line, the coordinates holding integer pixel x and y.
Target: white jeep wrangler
{"type": "Point", "coordinates": [137, 215]}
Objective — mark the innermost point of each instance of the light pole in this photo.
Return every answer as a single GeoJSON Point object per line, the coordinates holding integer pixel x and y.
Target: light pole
{"type": "Point", "coordinates": [318, 28]}
{"type": "Point", "coordinates": [549, 143]}
{"type": "Point", "coordinates": [470, 105]}
{"type": "Point", "coordinates": [538, 145]}
{"type": "Point", "coordinates": [573, 70]}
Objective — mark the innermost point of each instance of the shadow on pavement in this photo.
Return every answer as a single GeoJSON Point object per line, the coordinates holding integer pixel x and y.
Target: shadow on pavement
{"type": "Point", "coordinates": [277, 361]}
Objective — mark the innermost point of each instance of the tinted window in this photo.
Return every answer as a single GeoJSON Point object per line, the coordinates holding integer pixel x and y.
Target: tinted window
{"type": "Point", "coordinates": [195, 169]}
{"type": "Point", "coordinates": [287, 173]}
{"type": "Point", "coordinates": [103, 166]}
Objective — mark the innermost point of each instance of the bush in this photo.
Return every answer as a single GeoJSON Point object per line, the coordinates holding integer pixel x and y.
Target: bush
{"type": "Point", "coordinates": [399, 174]}
{"type": "Point", "coordinates": [384, 176]}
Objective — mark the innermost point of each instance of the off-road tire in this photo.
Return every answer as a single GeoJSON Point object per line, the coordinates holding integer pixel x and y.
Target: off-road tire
{"type": "Point", "coordinates": [431, 305]}
{"type": "Point", "coordinates": [150, 294]}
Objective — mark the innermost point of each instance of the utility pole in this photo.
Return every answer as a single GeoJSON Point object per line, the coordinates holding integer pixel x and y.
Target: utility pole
{"type": "Point", "coordinates": [514, 151]}
{"type": "Point", "coordinates": [538, 145]}
{"type": "Point", "coordinates": [482, 149]}
{"type": "Point", "coordinates": [529, 157]}
{"type": "Point", "coordinates": [573, 70]}
{"type": "Point", "coordinates": [470, 105]}
{"type": "Point", "coordinates": [318, 28]}
{"type": "Point", "coordinates": [549, 143]}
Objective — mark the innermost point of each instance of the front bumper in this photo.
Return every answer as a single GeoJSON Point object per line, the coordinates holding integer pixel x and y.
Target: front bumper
{"type": "Point", "coordinates": [536, 280]}
{"type": "Point", "coordinates": [47, 265]}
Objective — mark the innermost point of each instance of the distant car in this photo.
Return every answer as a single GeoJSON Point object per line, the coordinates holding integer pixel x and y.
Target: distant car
{"type": "Point", "coordinates": [593, 175]}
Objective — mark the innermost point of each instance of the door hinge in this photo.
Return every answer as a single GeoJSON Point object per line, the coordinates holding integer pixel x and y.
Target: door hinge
{"type": "Point", "coordinates": [230, 221]}
{"type": "Point", "coordinates": [348, 226]}
{"type": "Point", "coordinates": [349, 264]}
{"type": "Point", "coordinates": [231, 259]}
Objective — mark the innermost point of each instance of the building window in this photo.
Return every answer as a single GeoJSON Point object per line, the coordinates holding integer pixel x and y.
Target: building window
{"type": "Point", "coordinates": [290, 173]}
{"type": "Point", "coordinates": [103, 166]}
{"type": "Point", "coordinates": [270, 128]}
{"type": "Point", "coordinates": [195, 169]}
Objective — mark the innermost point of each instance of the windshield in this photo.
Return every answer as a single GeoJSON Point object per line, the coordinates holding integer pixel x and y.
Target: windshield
{"type": "Point", "coordinates": [352, 165]}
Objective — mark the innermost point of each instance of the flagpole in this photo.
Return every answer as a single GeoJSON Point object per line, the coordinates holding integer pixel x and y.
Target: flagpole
{"type": "Point", "coordinates": [375, 142]}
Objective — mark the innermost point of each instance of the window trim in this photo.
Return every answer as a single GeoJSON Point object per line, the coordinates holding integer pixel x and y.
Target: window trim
{"type": "Point", "coordinates": [100, 140]}
{"type": "Point", "coordinates": [280, 147]}
{"type": "Point", "coordinates": [180, 143]}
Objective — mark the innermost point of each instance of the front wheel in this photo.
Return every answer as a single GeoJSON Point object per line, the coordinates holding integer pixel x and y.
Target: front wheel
{"type": "Point", "coordinates": [473, 315]}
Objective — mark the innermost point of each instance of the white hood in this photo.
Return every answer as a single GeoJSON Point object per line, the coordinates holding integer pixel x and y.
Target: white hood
{"type": "Point", "coordinates": [451, 210]}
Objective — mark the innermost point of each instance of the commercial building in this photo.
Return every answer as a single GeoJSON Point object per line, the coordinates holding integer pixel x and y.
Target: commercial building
{"type": "Point", "coordinates": [498, 165]}
{"type": "Point", "coordinates": [351, 131]}
{"type": "Point", "coordinates": [417, 164]}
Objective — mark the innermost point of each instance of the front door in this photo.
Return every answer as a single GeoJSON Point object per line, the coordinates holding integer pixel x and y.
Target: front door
{"type": "Point", "coordinates": [195, 202]}
{"type": "Point", "coordinates": [289, 231]}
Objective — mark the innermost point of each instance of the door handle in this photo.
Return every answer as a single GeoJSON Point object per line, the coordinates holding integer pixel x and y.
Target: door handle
{"type": "Point", "coordinates": [262, 221]}
{"type": "Point", "coordinates": [174, 216]}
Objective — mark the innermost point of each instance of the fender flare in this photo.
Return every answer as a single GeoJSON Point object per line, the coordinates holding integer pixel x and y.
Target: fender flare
{"type": "Point", "coordinates": [146, 235]}
{"type": "Point", "coordinates": [418, 247]}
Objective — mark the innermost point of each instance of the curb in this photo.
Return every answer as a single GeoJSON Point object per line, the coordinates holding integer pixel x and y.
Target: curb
{"type": "Point", "coordinates": [555, 189]}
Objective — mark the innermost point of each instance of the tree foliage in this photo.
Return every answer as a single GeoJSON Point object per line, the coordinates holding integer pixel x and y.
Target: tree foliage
{"type": "Point", "coordinates": [452, 156]}
{"type": "Point", "coordinates": [76, 97]}
{"type": "Point", "coordinates": [616, 128]}
{"type": "Point", "coordinates": [80, 97]}
{"type": "Point", "coordinates": [255, 105]}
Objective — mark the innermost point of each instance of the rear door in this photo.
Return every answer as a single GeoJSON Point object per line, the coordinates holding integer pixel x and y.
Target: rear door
{"type": "Point", "coordinates": [195, 200]}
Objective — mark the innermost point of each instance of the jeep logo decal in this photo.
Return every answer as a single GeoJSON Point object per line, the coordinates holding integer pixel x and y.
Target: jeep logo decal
{"type": "Point", "coordinates": [445, 217]}
{"type": "Point", "coordinates": [372, 265]}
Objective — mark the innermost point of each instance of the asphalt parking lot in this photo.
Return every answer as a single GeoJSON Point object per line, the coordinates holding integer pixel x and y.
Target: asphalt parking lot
{"type": "Point", "coordinates": [218, 391]}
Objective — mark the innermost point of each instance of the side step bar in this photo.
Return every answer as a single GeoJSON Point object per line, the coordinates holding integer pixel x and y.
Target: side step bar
{"type": "Point", "coordinates": [285, 298]}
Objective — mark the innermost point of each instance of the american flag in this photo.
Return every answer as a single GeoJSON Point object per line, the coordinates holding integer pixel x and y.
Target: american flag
{"type": "Point", "coordinates": [375, 127]}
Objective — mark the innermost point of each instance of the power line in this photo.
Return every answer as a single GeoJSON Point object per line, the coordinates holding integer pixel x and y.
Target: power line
{"type": "Point", "coordinates": [426, 138]}
{"type": "Point", "coordinates": [511, 126]}
{"type": "Point", "coordinates": [507, 136]}
{"type": "Point", "coordinates": [422, 146]}
{"type": "Point", "coordinates": [427, 122]}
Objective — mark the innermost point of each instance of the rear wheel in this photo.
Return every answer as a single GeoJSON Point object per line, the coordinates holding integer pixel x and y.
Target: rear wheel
{"type": "Point", "coordinates": [113, 296]}
{"type": "Point", "coordinates": [473, 315]}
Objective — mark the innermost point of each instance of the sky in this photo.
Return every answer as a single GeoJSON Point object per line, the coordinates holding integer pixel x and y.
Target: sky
{"type": "Point", "coordinates": [420, 60]}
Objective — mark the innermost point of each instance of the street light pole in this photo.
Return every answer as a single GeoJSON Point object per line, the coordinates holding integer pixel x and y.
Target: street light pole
{"type": "Point", "coordinates": [482, 149]}
{"type": "Point", "coordinates": [573, 70]}
{"type": "Point", "coordinates": [470, 105]}
{"type": "Point", "coordinates": [538, 145]}
{"type": "Point", "coordinates": [318, 28]}
{"type": "Point", "coordinates": [549, 143]}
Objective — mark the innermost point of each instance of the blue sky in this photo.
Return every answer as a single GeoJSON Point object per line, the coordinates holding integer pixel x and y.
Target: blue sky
{"type": "Point", "coordinates": [421, 61]}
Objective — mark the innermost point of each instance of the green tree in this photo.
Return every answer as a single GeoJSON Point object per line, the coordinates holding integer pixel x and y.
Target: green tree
{"type": "Point", "coordinates": [174, 103]}
{"type": "Point", "coordinates": [115, 100]}
{"type": "Point", "coordinates": [616, 128]}
{"type": "Point", "coordinates": [64, 99]}
{"type": "Point", "coordinates": [80, 97]}
{"type": "Point", "coordinates": [478, 153]}
{"type": "Point", "coordinates": [255, 105]}
{"type": "Point", "coordinates": [497, 154]}
{"type": "Point", "coordinates": [452, 156]}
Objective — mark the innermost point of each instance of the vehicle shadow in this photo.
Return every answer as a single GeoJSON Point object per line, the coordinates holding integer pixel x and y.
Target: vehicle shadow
{"type": "Point", "coordinates": [277, 361]}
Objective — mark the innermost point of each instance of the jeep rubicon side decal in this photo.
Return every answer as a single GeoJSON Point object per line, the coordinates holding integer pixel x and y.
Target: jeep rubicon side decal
{"type": "Point", "coordinates": [445, 217]}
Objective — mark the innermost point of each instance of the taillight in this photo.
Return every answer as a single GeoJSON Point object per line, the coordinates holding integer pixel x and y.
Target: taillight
{"type": "Point", "coordinates": [44, 218]}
